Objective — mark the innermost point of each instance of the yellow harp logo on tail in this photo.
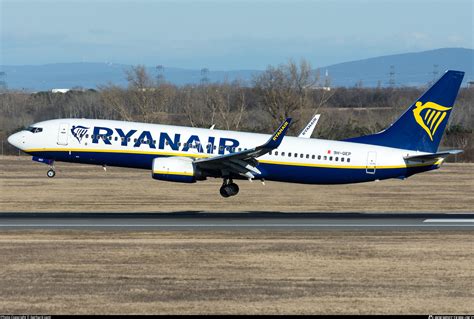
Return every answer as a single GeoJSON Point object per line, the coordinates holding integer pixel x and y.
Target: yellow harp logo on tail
{"type": "Point", "coordinates": [429, 116]}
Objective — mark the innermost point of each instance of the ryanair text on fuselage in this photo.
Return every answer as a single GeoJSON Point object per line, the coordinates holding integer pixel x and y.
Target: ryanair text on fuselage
{"type": "Point", "coordinates": [164, 140]}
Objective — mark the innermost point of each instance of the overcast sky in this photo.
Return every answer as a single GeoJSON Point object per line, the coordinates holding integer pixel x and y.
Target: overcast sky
{"type": "Point", "coordinates": [227, 35]}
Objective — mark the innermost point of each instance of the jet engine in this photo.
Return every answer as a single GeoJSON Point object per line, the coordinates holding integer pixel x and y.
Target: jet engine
{"type": "Point", "coordinates": [175, 169]}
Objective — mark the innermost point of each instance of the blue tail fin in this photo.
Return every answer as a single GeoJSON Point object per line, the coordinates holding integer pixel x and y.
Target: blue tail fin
{"type": "Point", "coordinates": [422, 125]}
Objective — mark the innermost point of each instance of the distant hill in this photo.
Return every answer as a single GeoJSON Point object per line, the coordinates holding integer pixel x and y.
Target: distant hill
{"type": "Point", "coordinates": [92, 75]}
{"type": "Point", "coordinates": [410, 69]}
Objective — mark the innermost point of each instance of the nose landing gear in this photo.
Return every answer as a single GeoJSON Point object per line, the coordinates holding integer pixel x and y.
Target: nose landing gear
{"type": "Point", "coordinates": [51, 173]}
{"type": "Point", "coordinates": [229, 188]}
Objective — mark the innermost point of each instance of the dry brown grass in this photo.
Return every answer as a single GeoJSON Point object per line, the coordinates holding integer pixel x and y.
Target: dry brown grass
{"type": "Point", "coordinates": [232, 272]}
{"type": "Point", "coordinates": [250, 272]}
{"type": "Point", "coordinates": [83, 188]}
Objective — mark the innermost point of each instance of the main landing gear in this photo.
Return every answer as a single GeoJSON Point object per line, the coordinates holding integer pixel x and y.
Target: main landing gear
{"type": "Point", "coordinates": [229, 188]}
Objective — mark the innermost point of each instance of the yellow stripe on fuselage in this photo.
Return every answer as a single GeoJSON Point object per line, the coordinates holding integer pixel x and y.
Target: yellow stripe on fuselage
{"type": "Point", "coordinates": [207, 156]}
{"type": "Point", "coordinates": [340, 166]}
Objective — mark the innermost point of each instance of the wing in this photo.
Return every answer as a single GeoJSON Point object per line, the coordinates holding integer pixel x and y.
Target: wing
{"type": "Point", "coordinates": [244, 163]}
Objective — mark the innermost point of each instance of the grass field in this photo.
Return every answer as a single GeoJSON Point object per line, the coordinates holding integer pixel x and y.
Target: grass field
{"type": "Point", "coordinates": [232, 272]}
{"type": "Point", "coordinates": [83, 188]}
{"type": "Point", "coordinates": [250, 272]}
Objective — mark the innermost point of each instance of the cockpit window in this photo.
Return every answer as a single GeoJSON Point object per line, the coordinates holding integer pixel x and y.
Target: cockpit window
{"type": "Point", "coordinates": [34, 129]}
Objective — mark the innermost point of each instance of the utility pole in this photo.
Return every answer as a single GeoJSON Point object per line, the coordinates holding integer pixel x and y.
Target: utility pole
{"type": "Point", "coordinates": [204, 75]}
{"type": "Point", "coordinates": [160, 77]}
{"type": "Point", "coordinates": [391, 81]}
{"type": "Point", "coordinates": [3, 82]}
{"type": "Point", "coordinates": [435, 72]}
{"type": "Point", "coordinates": [327, 81]}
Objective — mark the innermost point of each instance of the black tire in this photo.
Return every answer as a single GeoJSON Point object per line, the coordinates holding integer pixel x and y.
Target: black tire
{"type": "Point", "coordinates": [234, 189]}
{"type": "Point", "coordinates": [51, 173]}
{"type": "Point", "coordinates": [224, 192]}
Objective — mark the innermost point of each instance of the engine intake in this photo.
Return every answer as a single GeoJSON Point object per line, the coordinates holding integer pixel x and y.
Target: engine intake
{"type": "Point", "coordinates": [174, 169]}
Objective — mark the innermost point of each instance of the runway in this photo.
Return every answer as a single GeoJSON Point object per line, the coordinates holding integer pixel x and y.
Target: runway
{"type": "Point", "coordinates": [237, 221]}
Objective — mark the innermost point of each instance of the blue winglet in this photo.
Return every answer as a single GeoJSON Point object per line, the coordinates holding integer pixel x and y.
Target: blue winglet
{"type": "Point", "coordinates": [278, 136]}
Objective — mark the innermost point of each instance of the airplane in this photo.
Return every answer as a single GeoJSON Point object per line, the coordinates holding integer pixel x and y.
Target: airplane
{"type": "Point", "coordinates": [187, 154]}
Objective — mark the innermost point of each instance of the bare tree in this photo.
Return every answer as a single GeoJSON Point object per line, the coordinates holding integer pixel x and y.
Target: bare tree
{"type": "Point", "coordinates": [138, 78]}
{"type": "Point", "coordinates": [285, 91]}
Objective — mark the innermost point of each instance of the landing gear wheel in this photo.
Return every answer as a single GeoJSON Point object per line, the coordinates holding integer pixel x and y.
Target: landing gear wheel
{"type": "Point", "coordinates": [229, 188]}
{"type": "Point", "coordinates": [51, 173]}
{"type": "Point", "coordinates": [234, 188]}
{"type": "Point", "coordinates": [224, 192]}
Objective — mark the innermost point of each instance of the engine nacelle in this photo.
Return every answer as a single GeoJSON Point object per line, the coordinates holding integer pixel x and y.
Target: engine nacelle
{"type": "Point", "coordinates": [175, 169]}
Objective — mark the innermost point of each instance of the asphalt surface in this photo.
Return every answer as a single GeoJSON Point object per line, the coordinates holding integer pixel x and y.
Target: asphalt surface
{"type": "Point", "coordinates": [237, 221]}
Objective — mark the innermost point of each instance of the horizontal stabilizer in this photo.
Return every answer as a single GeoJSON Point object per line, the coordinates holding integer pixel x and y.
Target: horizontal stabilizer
{"type": "Point", "coordinates": [433, 156]}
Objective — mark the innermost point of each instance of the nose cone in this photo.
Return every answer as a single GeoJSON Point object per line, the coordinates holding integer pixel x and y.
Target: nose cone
{"type": "Point", "coordinates": [16, 140]}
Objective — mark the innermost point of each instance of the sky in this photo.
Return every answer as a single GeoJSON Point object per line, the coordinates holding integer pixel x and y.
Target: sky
{"type": "Point", "coordinates": [227, 35]}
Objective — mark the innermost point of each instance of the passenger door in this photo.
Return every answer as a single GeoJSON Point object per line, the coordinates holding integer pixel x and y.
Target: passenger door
{"type": "Point", "coordinates": [63, 133]}
{"type": "Point", "coordinates": [371, 162]}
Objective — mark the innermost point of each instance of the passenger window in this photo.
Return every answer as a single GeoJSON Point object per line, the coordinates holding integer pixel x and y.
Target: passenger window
{"type": "Point", "coordinates": [221, 148]}
{"type": "Point", "coordinates": [128, 139]}
{"type": "Point", "coordinates": [116, 138]}
{"type": "Point", "coordinates": [301, 155]}
{"type": "Point", "coordinates": [215, 147]}
{"type": "Point", "coordinates": [307, 155]}
{"type": "Point", "coordinates": [135, 140]}
{"type": "Point", "coordinates": [325, 157]}
{"type": "Point", "coordinates": [87, 135]}
{"type": "Point", "coordinates": [276, 152]}
{"type": "Point", "coordinates": [282, 153]}
{"type": "Point", "coordinates": [342, 159]}
{"type": "Point", "coordinates": [348, 160]}
{"type": "Point", "coordinates": [312, 157]}
{"type": "Point", "coordinates": [240, 149]}
{"type": "Point", "coordinates": [319, 157]}
{"type": "Point", "coordinates": [337, 159]}
{"type": "Point", "coordinates": [289, 154]}
{"type": "Point", "coordinates": [154, 141]}
{"type": "Point", "coordinates": [270, 153]}
{"type": "Point", "coordinates": [330, 158]}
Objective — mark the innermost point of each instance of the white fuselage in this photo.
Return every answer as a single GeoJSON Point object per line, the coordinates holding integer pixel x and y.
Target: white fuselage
{"type": "Point", "coordinates": [132, 144]}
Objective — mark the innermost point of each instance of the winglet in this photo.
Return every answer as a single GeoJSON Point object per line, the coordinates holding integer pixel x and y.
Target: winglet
{"type": "Point", "coordinates": [309, 128]}
{"type": "Point", "coordinates": [278, 136]}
